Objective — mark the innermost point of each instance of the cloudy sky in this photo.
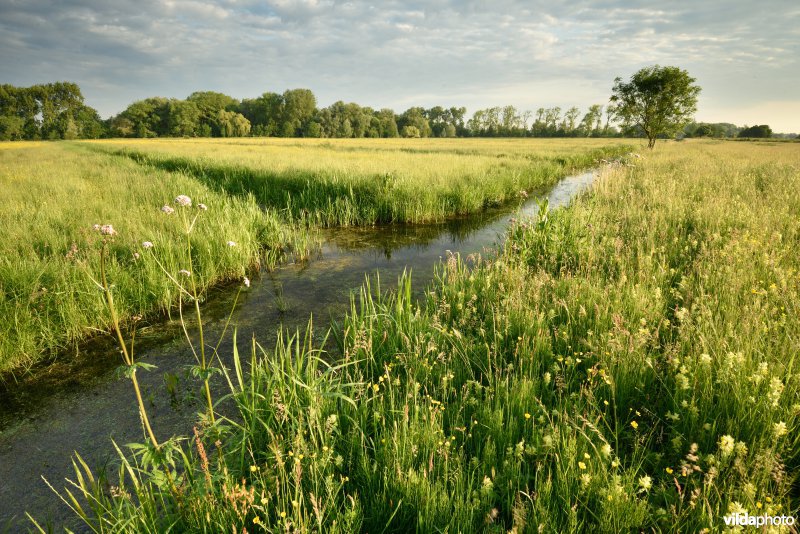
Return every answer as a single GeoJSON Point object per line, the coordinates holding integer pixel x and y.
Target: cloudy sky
{"type": "Point", "coordinates": [743, 53]}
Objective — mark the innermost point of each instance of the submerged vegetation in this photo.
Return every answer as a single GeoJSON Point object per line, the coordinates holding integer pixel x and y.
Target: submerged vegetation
{"type": "Point", "coordinates": [628, 363]}
{"type": "Point", "coordinates": [264, 200]}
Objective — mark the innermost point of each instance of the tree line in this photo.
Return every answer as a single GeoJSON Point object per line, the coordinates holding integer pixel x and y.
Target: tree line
{"type": "Point", "coordinates": [57, 111]}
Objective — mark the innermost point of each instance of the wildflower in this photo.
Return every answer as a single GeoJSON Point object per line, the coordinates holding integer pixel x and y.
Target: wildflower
{"type": "Point", "coordinates": [527, 415]}
{"type": "Point", "coordinates": [736, 508]}
{"type": "Point", "coordinates": [635, 425]}
{"type": "Point", "coordinates": [147, 244]}
{"type": "Point", "coordinates": [682, 381]}
{"type": "Point", "coordinates": [523, 194]}
{"type": "Point", "coordinates": [184, 272]}
{"type": "Point", "coordinates": [253, 468]}
{"type": "Point", "coordinates": [295, 504]}
{"type": "Point", "coordinates": [136, 256]}
{"type": "Point", "coordinates": [283, 515]}
{"type": "Point", "coordinates": [167, 210]}
{"type": "Point", "coordinates": [586, 479]}
{"type": "Point", "coordinates": [202, 206]}
{"type": "Point", "coordinates": [705, 359]}
{"type": "Point", "coordinates": [581, 465]}
{"type": "Point", "coordinates": [668, 470]}
{"type": "Point", "coordinates": [246, 282]}
{"type": "Point", "coordinates": [606, 450]}
{"type": "Point", "coordinates": [726, 445]}
{"type": "Point", "coordinates": [376, 388]}
{"type": "Point", "coordinates": [107, 229]}
{"type": "Point", "coordinates": [775, 390]}
{"type": "Point", "coordinates": [780, 430]}
{"type": "Point", "coordinates": [586, 455]}
{"type": "Point", "coordinates": [183, 200]}
{"type": "Point", "coordinates": [615, 462]}
{"type": "Point", "coordinates": [256, 520]}
{"type": "Point", "coordinates": [96, 227]}
{"type": "Point", "coordinates": [645, 483]}
{"type": "Point", "coordinates": [231, 243]}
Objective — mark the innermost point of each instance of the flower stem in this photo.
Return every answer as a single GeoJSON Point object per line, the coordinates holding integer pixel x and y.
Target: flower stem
{"type": "Point", "coordinates": [127, 356]}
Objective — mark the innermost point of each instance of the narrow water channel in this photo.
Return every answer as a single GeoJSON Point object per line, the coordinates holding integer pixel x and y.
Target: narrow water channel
{"type": "Point", "coordinates": [81, 406]}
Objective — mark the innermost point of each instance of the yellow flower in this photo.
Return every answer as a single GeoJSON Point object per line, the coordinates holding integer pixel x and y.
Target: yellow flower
{"type": "Point", "coordinates": [283, 515]}
{"type": "Point", "coordinates": [253, 468]}
{"type": "Point", "coordinates": [376, 388]}
{"type": "Point", "coordinates": [668, 470]}
{"type": "Point", "coordinates": [527, 415]}
{"type": "Point", "coordinates": [582, 465]}
{"type": "Point", "coordinates": [586, 455]}
{"type": "Point", "coordinates": [256, 520]}
{"type": "Point", "coordinates": [635, 425]}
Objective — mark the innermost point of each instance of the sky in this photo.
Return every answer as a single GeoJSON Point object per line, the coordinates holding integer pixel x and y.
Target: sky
{"type": "Point", "coordinates": [397, 54]}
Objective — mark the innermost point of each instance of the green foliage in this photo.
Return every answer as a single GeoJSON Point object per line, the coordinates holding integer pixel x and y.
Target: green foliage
{"type": "Point", "coordinates": [658, 100]}
{"type": "Point", "coordinates": [48, 111]}
{"type": "Point", "coordinates": [627, 364]}
{"type": "Point", "coordinates": [761, 131]}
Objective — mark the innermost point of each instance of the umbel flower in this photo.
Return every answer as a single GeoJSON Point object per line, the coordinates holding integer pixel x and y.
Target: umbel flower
{"type": "Point", "coordinates": [183, 200]}
{"type": "Point", "coordinates": [167, 209]}
{"type": "Point", "coordinates": [107, 229]}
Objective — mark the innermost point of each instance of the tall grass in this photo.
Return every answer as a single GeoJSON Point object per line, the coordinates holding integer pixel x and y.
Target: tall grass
{"type": "Point", "coordinates": [340, 183]}
{"type": "Point", "coordinates": [265, 196]}
{"type": "Point", "coordinates": [625, 364]}
{"type": "Point", "coordinates": [52, 197]}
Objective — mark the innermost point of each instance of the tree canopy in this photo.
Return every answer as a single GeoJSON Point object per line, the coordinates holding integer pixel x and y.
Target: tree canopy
{"type": "Point", "coordinates": [659, 101]}
{"type": "Point", "coordinates": [761, 131]}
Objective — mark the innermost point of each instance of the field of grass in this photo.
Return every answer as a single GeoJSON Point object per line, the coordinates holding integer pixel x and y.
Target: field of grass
{"type": "Point", "coordinates": [340, 182]}
{"type": "Point", "coordinates": [626, 364]}
{"type": "Point", "coordinates": [55, 192]}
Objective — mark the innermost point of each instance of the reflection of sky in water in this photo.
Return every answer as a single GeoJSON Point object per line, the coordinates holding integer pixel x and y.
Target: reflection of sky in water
{"type": "Point", "coordinates": [80, 407]}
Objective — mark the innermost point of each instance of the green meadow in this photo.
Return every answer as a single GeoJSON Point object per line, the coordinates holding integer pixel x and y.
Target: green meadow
{"type": "Point", "coordinates": [265, 198]}
{"type": "Point", "coordinates": [626, 364]}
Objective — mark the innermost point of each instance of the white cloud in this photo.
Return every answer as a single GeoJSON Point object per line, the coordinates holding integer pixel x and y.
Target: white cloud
{"type": "Point", "coordinates": [526, 53]}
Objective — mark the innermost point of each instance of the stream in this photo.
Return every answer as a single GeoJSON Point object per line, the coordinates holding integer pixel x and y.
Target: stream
{"type": "Point", "coordinates": [77, 403]}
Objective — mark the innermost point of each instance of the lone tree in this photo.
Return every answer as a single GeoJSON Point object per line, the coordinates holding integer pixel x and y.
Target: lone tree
{"type": "Point", "coordinates": [659, 100]}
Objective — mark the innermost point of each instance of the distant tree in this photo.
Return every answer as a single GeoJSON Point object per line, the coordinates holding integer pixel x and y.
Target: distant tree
{"type": "Point", "coordinates": [658, 100]}
{"type": "Point", "coordinates": [210, 103]}
{"type": "Point", "coordinates": [388, 123]}
{"type": "Point", "coordinates": [571, 120]}
{"type": "Point", "coordinates": [183, 118]}
{"type": "Point", "coordinates": [410, 131]}
{"type": "Point", "coordinates": [590, 124]}
{"type": "Point", "coordinates": [232, 124]}
{"type": "Point", "coordinates": [703, 130]}
{"type": "Point", "coordinates": [760, 131]}
{"type": "Point", "coordinates": [12, 128]}
{"type": "Point", "coordinates": [415, 117]}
